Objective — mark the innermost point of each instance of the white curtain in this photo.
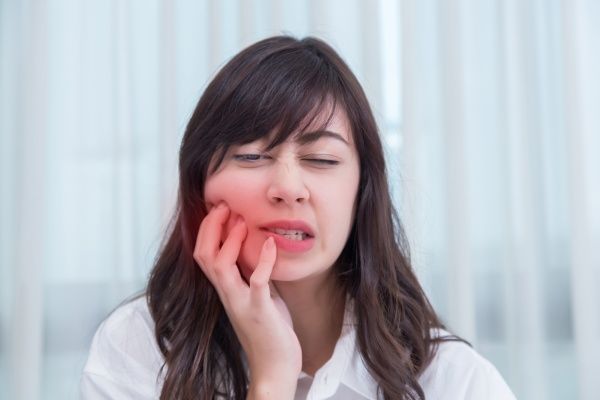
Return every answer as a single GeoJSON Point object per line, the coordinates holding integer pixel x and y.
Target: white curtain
{"type": "Point", "coordinates": [501, 156]}
{"type": "Point", "coordinates": [489, 112]}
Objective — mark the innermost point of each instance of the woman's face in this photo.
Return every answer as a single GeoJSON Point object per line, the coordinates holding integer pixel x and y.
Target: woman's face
{"type": "Point", "coordinates": [301, 192]}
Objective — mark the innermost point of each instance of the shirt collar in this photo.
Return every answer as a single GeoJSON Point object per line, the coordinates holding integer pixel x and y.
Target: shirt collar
{"type": "Point", "coordinates": [345, 367]}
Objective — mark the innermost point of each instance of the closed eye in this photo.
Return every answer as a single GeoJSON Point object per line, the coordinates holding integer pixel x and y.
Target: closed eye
{"type": "Point", "coordinates": [322, 161]}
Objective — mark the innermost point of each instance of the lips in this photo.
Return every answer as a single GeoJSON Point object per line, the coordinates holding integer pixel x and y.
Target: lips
{"type": "Point", "coordinates": [290, 227]}
{"type": "Point", "coordinates": [291, 236]}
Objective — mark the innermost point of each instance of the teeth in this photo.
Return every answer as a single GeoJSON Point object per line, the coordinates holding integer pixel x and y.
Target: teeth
{"type": "Point", "coordinates": [290, 234]}
{"type": "Point", "coordinates": [286, 232]}
{"type": "Point", "coordinates": [295, 237]}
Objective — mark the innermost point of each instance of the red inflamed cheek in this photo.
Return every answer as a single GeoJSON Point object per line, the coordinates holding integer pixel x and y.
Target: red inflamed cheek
{"type": "Point", "coordinates": [245, 272]}
{"type": "Point", "coordinates": [228, 226]}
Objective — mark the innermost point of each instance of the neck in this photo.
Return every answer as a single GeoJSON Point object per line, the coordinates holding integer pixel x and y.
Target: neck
{"type": "Point", "coordinates": [316, 305]}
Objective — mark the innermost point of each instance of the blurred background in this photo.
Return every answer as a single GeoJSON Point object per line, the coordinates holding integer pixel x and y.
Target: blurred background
{"type": "Point", "coordinates": [489, 110]}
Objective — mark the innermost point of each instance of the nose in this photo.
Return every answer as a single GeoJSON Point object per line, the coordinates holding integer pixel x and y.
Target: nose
{"type": "Point", "coordinates": [287, 185]}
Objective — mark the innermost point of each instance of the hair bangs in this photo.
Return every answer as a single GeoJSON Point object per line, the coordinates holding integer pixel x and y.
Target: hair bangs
{"type": "Point", "coordinates": [277, 103]}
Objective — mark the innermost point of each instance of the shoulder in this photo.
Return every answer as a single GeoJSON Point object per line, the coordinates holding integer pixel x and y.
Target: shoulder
{"type": "Point", "coordinates": [128, 330]}
{"type": "Point", "coordinates": [124, 358]}
{"type": "Point", "coordinates": [457, 371]}
{"type": "Point", "coordinates": [133, 314]}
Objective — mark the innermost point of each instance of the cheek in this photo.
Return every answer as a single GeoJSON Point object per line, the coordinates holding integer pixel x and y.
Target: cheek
{"type": "Point", "coordinates": [339, 206]}
{"type": "Point", "coordinates": [219, 188]}
{"type": "Point", "coordinates": [232, 186]}
{"type": "Point", "coordinates": [242, 194]}
{"type": "Point", "coordinates": [250, 253]}
{"type": "Point", "coordinates": [239, 192]}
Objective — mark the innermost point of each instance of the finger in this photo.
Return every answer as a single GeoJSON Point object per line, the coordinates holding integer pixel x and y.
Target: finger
{"type": "Point", "coordinates": [228, 225]}
{"type": "Point", "coordinates": [226, 269]}
{"type": "Point", "coordinates": [273, 290]}
{"type": "Point", "coordinates": [259, 280]}
{"type": "Point", "coordinates": [207, 243]}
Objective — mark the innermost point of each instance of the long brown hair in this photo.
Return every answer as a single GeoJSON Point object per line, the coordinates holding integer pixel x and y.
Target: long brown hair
{"type": "Point", "coordinates": [277, 85]}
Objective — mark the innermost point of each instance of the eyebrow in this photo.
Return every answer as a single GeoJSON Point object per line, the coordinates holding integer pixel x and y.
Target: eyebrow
{"type": "Point", "coordinates": [310, 137]}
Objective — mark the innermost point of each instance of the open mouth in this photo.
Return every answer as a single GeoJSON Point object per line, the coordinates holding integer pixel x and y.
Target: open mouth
{"type": "Point", "coordinates": [291, 234]}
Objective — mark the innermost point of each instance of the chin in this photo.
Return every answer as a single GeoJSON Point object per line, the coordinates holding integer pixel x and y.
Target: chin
{"type": "Point", "coordinates": [282, 274]}
{"type": "Point", "coordinates": [282, 271]}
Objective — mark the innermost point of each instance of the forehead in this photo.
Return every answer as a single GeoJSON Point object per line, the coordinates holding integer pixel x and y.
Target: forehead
{"type": "Point", "coordinates": [333, 124]}
{"type": "Point", "coordinates": [330, 121]}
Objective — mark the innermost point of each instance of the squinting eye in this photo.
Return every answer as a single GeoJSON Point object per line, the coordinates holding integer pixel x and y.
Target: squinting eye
{"type": "Point", "coordinates": [249, 157]}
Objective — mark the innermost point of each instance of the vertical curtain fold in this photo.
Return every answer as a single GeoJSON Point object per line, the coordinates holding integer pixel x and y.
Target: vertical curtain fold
{"type": "Point", "coordinates": [124, 154]}
{"type": "Point", "coordinates": [524, 196]}
{"type": "Point", "coordinates": [169, 127]}
{"type": "Point", "coordinates": [461, 314]}
{"type": "Point", "coordinates": [582, 63]}
{"type": "Point", "coordinates": [26, 333]}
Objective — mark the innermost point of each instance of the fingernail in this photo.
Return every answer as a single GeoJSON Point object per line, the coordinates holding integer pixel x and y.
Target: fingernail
{"type": "Point", "coordinates": [270, 242]}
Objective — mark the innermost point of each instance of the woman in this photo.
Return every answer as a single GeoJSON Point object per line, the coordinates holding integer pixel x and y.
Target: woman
{"type": "Point", "coordinates": [285, 274]}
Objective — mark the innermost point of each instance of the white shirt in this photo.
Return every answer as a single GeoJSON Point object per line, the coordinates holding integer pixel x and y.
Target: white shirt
{"type": "Point", "coordinates": [125, 360]}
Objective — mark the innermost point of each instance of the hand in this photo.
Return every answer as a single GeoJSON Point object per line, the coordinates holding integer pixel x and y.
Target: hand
{"type": "Point", "coordinates": [258, 315]}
